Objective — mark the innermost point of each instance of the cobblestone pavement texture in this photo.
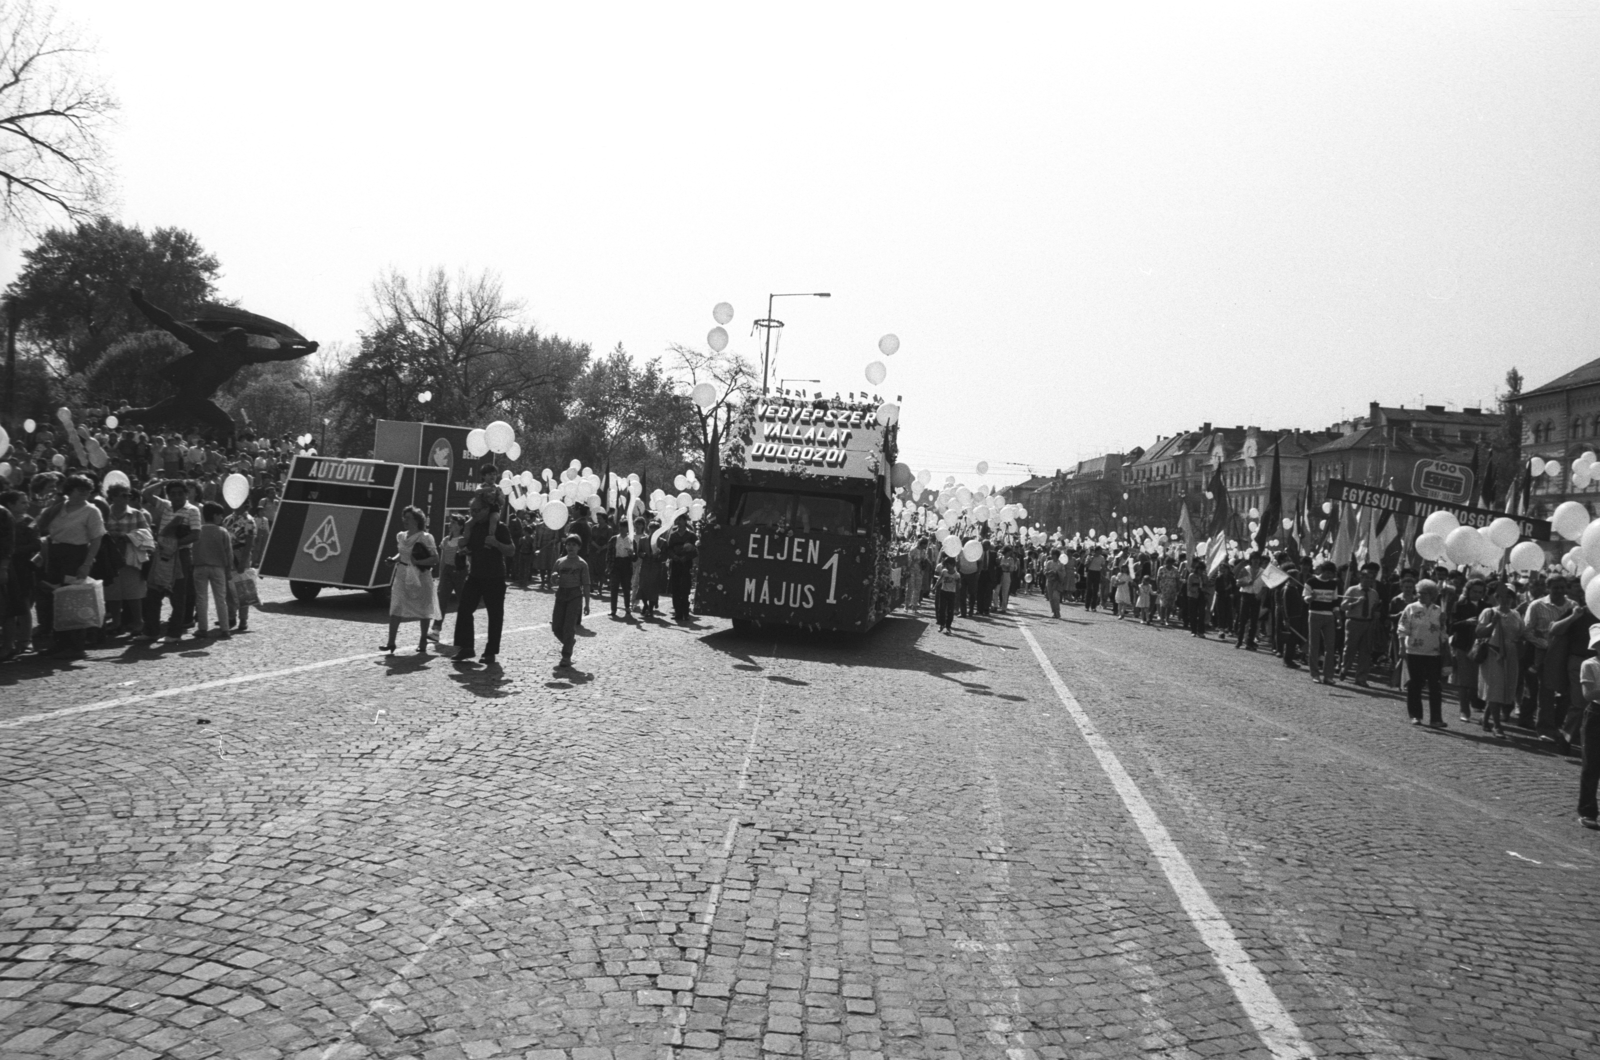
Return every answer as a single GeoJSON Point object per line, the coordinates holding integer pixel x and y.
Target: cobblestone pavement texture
{"type": "Point", "coordinates": [702, 844]}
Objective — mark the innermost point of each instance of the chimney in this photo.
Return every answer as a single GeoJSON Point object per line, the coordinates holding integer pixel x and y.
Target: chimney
{"type": "Point", "coordinates": [1372, 414]}
{"type": "Point", "coordinates": [1205, 428]}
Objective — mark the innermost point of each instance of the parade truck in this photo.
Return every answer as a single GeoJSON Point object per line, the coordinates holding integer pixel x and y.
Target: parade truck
{"type": "Point", "coordinates": [338, 518]}
{"type": "Point", "coordinates": [798, 530]}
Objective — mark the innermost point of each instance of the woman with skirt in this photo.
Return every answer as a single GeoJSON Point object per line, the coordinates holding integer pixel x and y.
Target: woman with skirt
{"type": "Point", "coordinates": [1501, 627]}
{"type": "Point", "coordinates": [411, 593]}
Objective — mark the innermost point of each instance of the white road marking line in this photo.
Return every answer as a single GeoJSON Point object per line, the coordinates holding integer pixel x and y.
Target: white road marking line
{"type": "Point", "coordinates": [1274, 1026]}
{"type": "Point", "coordinates": [383, 1001]}
{"type": "Point", "coordinates": [680, 1015]}
{"type": "Point", "coordinates": [204, 686]}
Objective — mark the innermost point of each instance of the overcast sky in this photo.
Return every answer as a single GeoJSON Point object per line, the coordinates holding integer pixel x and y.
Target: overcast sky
{"type": "Point", "coordinates": [1087, 225]}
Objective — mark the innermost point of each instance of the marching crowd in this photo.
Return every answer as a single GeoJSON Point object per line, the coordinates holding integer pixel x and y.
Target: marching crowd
{"type": "Point", "coordinates": [1514, 651]}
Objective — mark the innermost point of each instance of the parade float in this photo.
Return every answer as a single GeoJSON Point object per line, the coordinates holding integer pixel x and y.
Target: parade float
{"type": "Point", "coordinates": [798, 530]}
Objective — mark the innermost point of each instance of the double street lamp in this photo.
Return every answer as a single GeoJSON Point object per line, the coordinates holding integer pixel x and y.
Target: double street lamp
{"type": "Point", "coordinates": [769, 323]}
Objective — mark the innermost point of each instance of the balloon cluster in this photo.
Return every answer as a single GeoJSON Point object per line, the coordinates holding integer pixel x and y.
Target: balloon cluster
{"type": "Point", "coordinates": [955, 510]}
{"type": "Point", "coordinates": [889, 345]}
{"type": "Point", "coordinates": [1444, 538]}
{"type": "Point", "coordinates": [498, 437]}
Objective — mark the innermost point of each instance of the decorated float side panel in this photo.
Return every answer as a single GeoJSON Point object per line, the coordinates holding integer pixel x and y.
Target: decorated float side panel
{"type": "Point", "coordinates": [795, 579]}
{"type": "Point", "coordinates": [438, 445]}
{"type": "Point", "coordinates": [337, 519]}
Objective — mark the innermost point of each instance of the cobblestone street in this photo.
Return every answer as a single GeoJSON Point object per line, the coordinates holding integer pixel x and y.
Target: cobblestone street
{"type": "Point", "coordinates": [1034, 838]}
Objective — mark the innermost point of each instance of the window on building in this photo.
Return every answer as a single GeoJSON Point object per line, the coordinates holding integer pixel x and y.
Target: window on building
{"type": "Point", "coordinates": [1577, 428]}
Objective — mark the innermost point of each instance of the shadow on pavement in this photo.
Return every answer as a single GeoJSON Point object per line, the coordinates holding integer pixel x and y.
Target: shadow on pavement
{"type": "Point", "coordinates": [354, 606]}
{"type": "Point", "coordinates": [891, 645]}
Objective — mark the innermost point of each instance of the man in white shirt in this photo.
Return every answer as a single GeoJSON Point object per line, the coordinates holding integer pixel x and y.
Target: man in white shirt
{"type": "Point", "coordinates": [1549, 668]}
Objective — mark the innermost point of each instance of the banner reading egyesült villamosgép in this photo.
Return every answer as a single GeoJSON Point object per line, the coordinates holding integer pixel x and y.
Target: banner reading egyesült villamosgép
{"type": "Point", "coordinates": [1410, 504]}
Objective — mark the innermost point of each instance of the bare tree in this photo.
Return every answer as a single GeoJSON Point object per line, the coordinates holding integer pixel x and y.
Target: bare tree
{"type": "Point", "coordinates": [53, 111]}
{"type": "Point", "coordinates": [733, 383]}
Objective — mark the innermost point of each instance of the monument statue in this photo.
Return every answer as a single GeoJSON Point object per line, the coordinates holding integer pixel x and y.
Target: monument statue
{"type": "Point", "coordinates": [211, 361]}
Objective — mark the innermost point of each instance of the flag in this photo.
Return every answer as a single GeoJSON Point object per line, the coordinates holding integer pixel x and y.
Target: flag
{"type": "Point", "coordinates": [1273, 576]}
{"type": "Point", "coordinates": [1489, 480]}
{"type": "Point", "coordinates": [1344, 544]}
{"type": "Point", "coordinates": [1216, 551]}
{"type": "Point", "coordinates": [1272, 518]}
{"type": "Point", "coordinates": [1219, 503]}
{"type": "Point", "coordinates": [1187, 527]}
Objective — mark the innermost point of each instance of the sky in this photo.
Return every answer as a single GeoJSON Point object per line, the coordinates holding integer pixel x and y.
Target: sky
{"type": "Point", "coordinates": [1088, 225]}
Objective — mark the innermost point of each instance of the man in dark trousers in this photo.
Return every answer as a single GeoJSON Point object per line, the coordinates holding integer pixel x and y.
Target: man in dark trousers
{"type": "Point", "coordinates": [682, 548]}
{"type": "Point", "coordinates": [488, 545]}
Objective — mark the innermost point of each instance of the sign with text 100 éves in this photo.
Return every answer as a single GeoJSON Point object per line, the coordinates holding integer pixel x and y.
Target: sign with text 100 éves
{"type": "Point", "coordinates": [1440, 480]}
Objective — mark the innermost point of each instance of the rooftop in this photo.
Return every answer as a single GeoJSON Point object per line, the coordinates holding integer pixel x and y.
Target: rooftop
{"type": "Point", "coordinates": [1583, 375]}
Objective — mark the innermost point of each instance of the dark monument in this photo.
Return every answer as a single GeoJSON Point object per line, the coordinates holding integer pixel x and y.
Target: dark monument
{"type": "Point", "coordinates": [239, 338]}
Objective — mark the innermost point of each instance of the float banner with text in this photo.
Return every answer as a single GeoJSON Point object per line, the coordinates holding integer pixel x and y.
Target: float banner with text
{"type": "Point", "coordinates": [845, 442]}
{"type": "Point", "coordinates": [1410, 504]}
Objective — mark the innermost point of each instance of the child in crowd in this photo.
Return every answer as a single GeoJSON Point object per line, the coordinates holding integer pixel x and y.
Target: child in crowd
{"type": "Point", "coordinates": [948, 584]}
{"type": "Point", "coordinates": [1122, 596]}
{"type": "Point", "coordinates": [1146, 608]}
{"type": "Point", "coordinates": [213, 559]}
{"type": "Point", "coordinates": [572, 594]}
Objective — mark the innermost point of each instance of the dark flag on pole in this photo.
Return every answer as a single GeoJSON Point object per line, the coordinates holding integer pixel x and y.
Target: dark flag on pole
{"type": "Point", "coordinates": [1272, 518]}
{"type": "Point", "coordinates": [1489, 480]}
{"type": "Point", "coordinates": [1219, 504]}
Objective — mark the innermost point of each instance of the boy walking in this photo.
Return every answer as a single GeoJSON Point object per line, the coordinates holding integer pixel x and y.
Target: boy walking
{"type": "Point", "coordinates": [213, 559]}
{"type": "Point", "coordinates": [948, 584]}
{"type": "Point", "coordinates": [572, 592]}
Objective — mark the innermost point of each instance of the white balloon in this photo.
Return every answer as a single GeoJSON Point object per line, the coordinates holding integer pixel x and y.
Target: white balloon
{"type": "Point", "coordinates": [704, 396]}
{"type": "Point", "coordinates": [1527, 556]}
{"type": "Point", "coordinates": [112, 423]}
{"type": "Point", "coordinates": [951, 546]}
{"type": "Point", "coordinates": [972, 551]}
{"type": "Point", "coordinates": [555, 515]}
{"type": "Point", "coordinates": [717, 339]}
{"type": "Point", "coordinates": [576, 464]}
{"type": "Point", "coordinates": [235, 490]}
{"type": "Point", "coordinates": [1590, 542]}
{"type": "Point", "coordinates": [1591, 596]}
{"type": "Point", "coordinates": [514, 451]}
{"type": "Point", "coordinates": [1569, 520]}
{"type": "Point", "coordinates": [876, 373]}
{"type": "Point", "coordinates": [115, 478]}
{"type": "Point", "coordinates": [888, 345]}
{"type": "Point", "coordinates": [888, 413]}
{"type": "Point", "coordinates": [722, 312]}
{"type": "Point", "coordinates": [1489, 553]}
{"type": "Point", "coordinates": [5, 441]}
{"type": "Point", "coordinates": [983, 467]}
{"type": "Point", "coordinates": [1441, 523]}
{"type": "Point", "coordinates": [1462, 545]}
{"type": "Point", "coordinates": [499, 436]}
{"type": "Point", "coordinates": [1535, 467]}
{"type": "Point", "coordinates": [28, 426]}
{"type": "Point", "coordinates": [1503, 532]}
{"type": "Point", "coordinates": [1585, 578]}
{"type": "Point", "coordinates": [680, 483]}
{"type": "Point", "coordinates": [1430, 547]}
{"type": "Point", "coordinates": [477, 443]}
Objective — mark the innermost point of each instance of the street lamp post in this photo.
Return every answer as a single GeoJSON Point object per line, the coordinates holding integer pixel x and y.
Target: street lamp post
{"type": "Point", "coordinates": [769, 323]}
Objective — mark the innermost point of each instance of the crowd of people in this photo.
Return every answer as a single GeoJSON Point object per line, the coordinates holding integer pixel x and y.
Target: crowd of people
{"type": "Point", "coordinates": [1518, 651]}
{"type": "Point", "coordinates": [157, 536]}
{"type": "Point", "coordinates": [594, 553]}
{"type": "Point", "coordinates": [173, 559]}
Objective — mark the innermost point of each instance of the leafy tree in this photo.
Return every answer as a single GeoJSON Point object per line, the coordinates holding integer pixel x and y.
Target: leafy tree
{"type": "Point", "coordinates": [53, 111]}
{"type": "Point", "coordinates": [1507, 440]}
{"type": "Point", "coordinates": [127, 373]}
{"type": "Point", "coordinates": [627, 416]}
{"type": "Point", "coordinates": [72, 291]}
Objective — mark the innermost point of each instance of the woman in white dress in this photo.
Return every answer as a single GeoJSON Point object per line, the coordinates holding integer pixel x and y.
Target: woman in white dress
{"type": "Point", "coordinates": [411, 592]}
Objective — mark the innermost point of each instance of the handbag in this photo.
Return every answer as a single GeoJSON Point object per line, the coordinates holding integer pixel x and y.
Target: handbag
{"type": "Point", "coordinates": [245, 589]}
{"type": "Point", "coordinates": [1480, 647]}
